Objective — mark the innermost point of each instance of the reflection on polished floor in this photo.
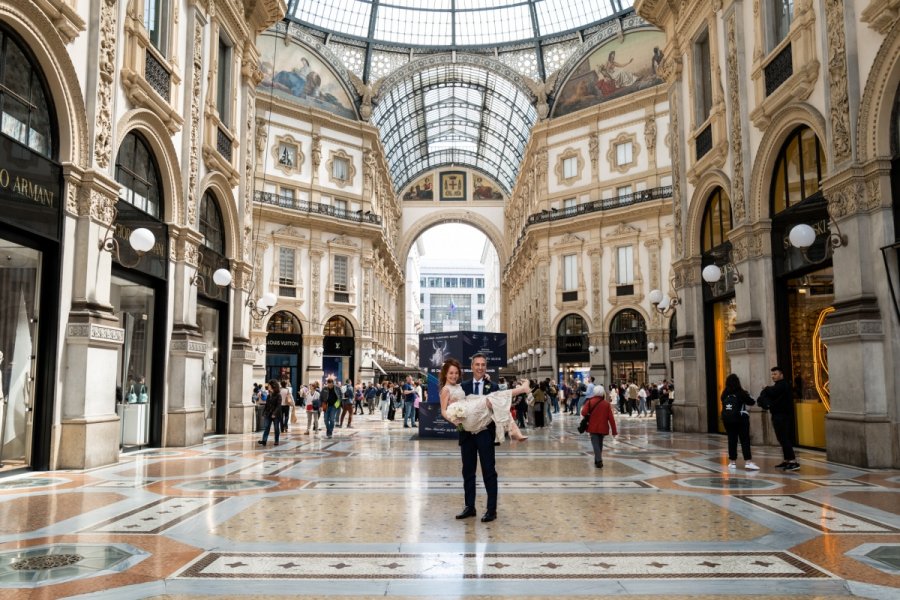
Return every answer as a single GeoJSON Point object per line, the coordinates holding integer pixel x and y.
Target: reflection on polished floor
{"type": "Point", "coordinates": [369, 513]}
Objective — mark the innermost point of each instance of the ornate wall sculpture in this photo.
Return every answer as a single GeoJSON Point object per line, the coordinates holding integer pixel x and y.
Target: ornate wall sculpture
{"type": "Point", "coordinates": [837, 80]}
{"type": "Point", "coordinates": [738, 209]}
{"type": "Point", "coordinates": [194, 126]}
{"type": "Point", "coordinates": [107, 60]}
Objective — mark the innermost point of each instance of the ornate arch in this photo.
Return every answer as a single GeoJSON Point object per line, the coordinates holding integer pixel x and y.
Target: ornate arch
{"type": "Point", "coordinates": [218, 184]}
{"type": "Point", "coordinates": [712, 179]}
{"type": "Point", "coordinates": [290, 310]}
{"type": "Point", "coordinates": [554, 326]}
{"type": "Point", "coordinates": [442, 216]}
{"type": "Point", "coordinates": [608, 319]}
{"type": "Point", "coordinates": [160, 140]}
{"type": "Point", "coordinates": [874, 131]}
{"type": "Point", "coordinates": [783, 123]}
{"type": "Point", "coordinates": [29, 23]}
{"type": "Point", "coordinates": [320, 327]}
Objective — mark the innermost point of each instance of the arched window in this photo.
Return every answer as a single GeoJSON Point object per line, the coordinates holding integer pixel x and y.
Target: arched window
{"type": "Point", "coordinates": [339, 327]}
{"type": "Point", "coordinates": [138, 173]}
{"type": "Point", "coordinates": [211, 226]}
{"type": "Point", "coordinates": [798, 170]}
{"type": "Point", "coordinates": [283, 322]}
{"type": "Point", "coordinates": [25, 113]}
{"type": "Point", "coordinates": [716, 220]}
{"type": "Point", "coordinates": [627, 333]}
{"type": "Point", "coordinates": [572, 325]}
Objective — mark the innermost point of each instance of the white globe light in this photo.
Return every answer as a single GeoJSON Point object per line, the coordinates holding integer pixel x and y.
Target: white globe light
{"type": "Point", "coordinates": [651, 347]}
{"type": "Point", "coordinates": [711, 273]}
{"type": "Point", "coordinates": [655, 296]}
{"type": "Point", "coordinates": [268, 300]}
{"type": "Point", "coordinates": [142, 239]}
{"type": "Point", "coordinates": [530, 351]}
{"type": "Point", "coordinates": [664, 303]}
{"type": "Point", "coordinates": [539, 351]}
{"type": "Point", "coordinates": [592, 349]}
{"type": "Point", "coordinates": [802, 236]}
{"type": "Point", "coordinates": [222, 277]}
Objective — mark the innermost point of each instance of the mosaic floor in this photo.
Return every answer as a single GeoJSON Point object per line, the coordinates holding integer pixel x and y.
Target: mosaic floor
{"type": "Point", "coordinates": [369, 513]}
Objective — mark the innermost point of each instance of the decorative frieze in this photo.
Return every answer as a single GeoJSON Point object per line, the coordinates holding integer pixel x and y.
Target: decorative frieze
{"type": "Point", "coordinates": [189, 347]}
{"type": "Point", "coordinates": [96, 333]}
{"type": "Point", "coordinates": [107, 67]}
{"type": "Point", "coordinates": [852, 329]}
{"type": "Point", "coordinates": [837, 81]}
{"type": "Point", "coordinates": [187, 218]}
{"type": "Point", "coordinates": [735, 86]}
{"type": "Point", "coordinates": [845, 200]}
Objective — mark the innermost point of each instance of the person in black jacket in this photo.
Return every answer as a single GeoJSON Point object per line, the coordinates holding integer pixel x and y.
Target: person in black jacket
{"type": "Point", "coordinates": [272, 412]}
{"type": "Point", "coordinates": [780, 403]}
{"type": "Point", "coordinates": [739, 426]}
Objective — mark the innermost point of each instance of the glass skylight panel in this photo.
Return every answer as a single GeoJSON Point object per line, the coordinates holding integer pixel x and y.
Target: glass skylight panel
{"type": "Point", "coordinates": [426, 4]}
{"type": "Point", "coordinates": [348, 16]}
{"type": "Point", "coordinates": [477, 28]}
{"type": "Point", "coordinates": [562, 15]}
{"type": "Point", "coordinates": [414, 27]}
{"type": "Point", "coordinates": [486, 4]}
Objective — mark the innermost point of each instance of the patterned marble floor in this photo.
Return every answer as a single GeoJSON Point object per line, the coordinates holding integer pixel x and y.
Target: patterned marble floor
{"type": "Point", "coordinates": [369, 513]}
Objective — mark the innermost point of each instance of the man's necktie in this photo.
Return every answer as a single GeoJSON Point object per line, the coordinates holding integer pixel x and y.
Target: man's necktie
{"type": "Point", "coordinates": [479, 388]}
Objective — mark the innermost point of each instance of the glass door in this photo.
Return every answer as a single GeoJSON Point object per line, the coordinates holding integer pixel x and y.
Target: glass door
{"type": "Point", "coordinates": [20, 272]}
{"type": "Point", "coordinates": [208, 322]}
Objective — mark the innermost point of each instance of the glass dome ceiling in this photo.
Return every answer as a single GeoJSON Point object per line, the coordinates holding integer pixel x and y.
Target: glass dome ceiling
{"type": "Point", "coordinates": [452, 23]}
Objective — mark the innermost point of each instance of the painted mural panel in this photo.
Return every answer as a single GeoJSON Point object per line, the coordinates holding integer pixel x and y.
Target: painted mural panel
{"type": "Point", "coordinates": [294, 72]}
{"type": "Point", "coordinates": [423, 189]}
{"type": "Point", "coordinates": [485, 189]}
{"type": "Point", "coordinates": [613, 70]}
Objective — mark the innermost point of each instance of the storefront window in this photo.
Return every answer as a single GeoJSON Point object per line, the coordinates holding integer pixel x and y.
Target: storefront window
{"type": "Point", "coordinates": [810, 300]}
{"type": "Point", "coordinates": [211, 224]}
{"type": "Point", "coordinates": [19, 274]}
{"type": "Point", "coordinates": [798, 171]}
{"type": "Point", "coordinates": [724, 316]}
{"type": "Point", "coordinates": [284, 343]}
{"type": "Point", "coordinates": [133, 304]}
{"type": "Point", "coordinates": [208, 322]}
{"type": "Point", "coordinates": [24, 111]}
{"type": "Point", "coordinates": [628, 347]}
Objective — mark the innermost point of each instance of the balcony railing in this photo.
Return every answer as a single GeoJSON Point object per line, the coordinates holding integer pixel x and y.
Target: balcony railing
{"type": "Point", "coordinates": [601, 205]}
{"type": "Point", "coordinates": [317, 208]}
{"type": "Point", "coordinates": [779, 70]}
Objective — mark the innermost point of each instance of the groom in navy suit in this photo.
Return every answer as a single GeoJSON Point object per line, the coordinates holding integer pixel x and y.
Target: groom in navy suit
{"type": "Point", "coordinates": [473, 446]}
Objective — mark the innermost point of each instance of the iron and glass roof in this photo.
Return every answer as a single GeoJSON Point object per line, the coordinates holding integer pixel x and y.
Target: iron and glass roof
{"type": "Point", "coordinates": [454, 113]}
{"type": "Point", "coordinates": [452, 23]}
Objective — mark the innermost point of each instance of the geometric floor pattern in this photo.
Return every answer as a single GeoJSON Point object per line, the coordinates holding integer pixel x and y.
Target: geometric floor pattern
{"type": "Point", "coordinates": [369, 513]}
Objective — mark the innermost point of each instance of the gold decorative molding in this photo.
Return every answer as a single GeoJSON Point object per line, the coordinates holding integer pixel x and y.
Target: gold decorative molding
{"type": "Point", "coordinates": [837, 81]}
{"type": "Point", "coordinates": [611, 155]}
{"type": "Point", "coordinates": [735, 87]}
{"type": "Point", "coordinates": [561, 159]}
{"type": "Point", "coordinates": [882, 15]}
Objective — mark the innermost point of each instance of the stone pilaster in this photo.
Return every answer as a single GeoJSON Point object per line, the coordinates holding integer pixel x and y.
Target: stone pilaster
{"type": "Point", "coordinates": [243, 353]}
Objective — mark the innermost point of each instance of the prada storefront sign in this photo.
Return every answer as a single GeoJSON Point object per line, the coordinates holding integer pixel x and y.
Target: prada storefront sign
{"type": "Point", "coordinates": [338, 346]}
{"type": "Point", "coordinates": [210, 262]}
{"type": "Point", "coordinates": [129, 218]}
{"type": "Point", "coordinates": [283, 343]}
{"type": "Point", "coordinates": [572, 348]}
{"type": "Point", "coordinates": [30, 190]}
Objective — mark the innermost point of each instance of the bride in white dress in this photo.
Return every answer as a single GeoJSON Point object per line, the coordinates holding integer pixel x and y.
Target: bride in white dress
{"type": "Point", "coordinates": [478, 411]}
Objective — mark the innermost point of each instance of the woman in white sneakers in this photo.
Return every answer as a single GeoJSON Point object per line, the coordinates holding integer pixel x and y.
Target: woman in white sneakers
{"type": "Point", "coordinates": [736, 419]}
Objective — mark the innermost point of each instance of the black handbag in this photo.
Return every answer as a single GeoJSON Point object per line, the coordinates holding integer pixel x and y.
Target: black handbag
{"type": "Point", "coordinates": [582, 427]}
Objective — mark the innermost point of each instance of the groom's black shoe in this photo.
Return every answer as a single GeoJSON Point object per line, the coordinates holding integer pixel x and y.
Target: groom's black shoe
{"type": "Point", "coordinates": [489, 516]}
{"type": "Point", "coordinates": [466, 513]}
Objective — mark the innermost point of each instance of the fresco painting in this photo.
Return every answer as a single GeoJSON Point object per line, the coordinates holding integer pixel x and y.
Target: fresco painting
{"type": "Point", "coordinates": [423, 189]}
{"type": "Point", "coordinates": [613, 70]}
{"type": "Point", "coordinates": [291, 71]}
{"type": "Point", "coordinates": [484, 189]}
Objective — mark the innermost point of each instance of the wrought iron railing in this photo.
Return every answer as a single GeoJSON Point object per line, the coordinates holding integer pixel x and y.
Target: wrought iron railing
{"type": "Point", "coordinates": [317, 208]}
{"type": "Point", "coordinates": [778, 70]}
{"type": "Point", "coordinates": [601, 205]}
{"type": "Point", "coordinates": [223, 144]}
{"type": "Point", "coordinates": [703, 142]}
{"type": "Point", "coordinates": [157, 76]}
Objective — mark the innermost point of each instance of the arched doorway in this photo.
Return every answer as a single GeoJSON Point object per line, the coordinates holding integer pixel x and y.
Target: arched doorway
{"type": "Point", "coordinates": [212, 316]}
{"type": "Point", "coordinates": [804, 280]}
{"type": "Point", "coordinates": [139, 293]}
{"type": "Point", "coordinates": [572, 349]}
{"type": "Point", "coordinates": [719, 309]}
{"type": "Point", "coordinates": [284, 346]}
{"type": "Point", "coordinates": [31, 238]}
{"type": "Point", "coordinates": [628, 347]}
{"type": "Point", "coordinates": [338, 355]}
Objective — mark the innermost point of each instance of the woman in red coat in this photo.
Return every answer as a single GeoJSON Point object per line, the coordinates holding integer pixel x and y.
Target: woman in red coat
{"type": "Point", "coordinates": [601, 422]}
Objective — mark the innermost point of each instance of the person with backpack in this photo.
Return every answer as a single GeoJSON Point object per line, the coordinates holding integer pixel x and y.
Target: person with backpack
{"type": "Point", "coordinates": [272, 412]}
{"type": "Point", "coordinates": [778, 400]}
{"type": "Point", "coordinates": [736, 419]}
{"type": "Point", "coordinates": [313, 408]}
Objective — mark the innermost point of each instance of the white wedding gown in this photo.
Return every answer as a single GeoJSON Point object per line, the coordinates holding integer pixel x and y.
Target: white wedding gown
{"type": "Point", "coordinates": [478, 415]}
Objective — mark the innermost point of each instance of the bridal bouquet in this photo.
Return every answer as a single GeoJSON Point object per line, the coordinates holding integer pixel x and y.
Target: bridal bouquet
{"type": "Point", "coordinates": [457, 411]}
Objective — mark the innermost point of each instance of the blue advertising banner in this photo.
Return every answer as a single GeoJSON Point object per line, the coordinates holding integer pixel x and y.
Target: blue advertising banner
{"type": "Point", "coordinates": [434, 349]}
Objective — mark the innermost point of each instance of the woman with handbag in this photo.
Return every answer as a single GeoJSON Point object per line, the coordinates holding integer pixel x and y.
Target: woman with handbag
{"type": "Point", "coordinates": [600, 422]}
